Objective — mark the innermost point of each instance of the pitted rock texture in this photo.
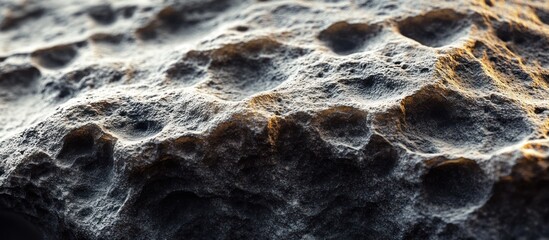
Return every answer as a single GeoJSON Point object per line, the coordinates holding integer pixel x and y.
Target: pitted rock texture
{"type": "Point", "coordinates": [248, 119]}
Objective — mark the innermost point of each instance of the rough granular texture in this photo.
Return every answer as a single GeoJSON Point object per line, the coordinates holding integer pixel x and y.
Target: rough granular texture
{"type": "Point", "coordinates": [235, 119]}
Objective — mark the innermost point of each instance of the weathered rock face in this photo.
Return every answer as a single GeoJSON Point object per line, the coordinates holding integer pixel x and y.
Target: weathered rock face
{"type": "Point", "coordinates": [227, 119]}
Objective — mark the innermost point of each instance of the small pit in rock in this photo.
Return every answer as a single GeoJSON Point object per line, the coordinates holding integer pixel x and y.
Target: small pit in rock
{"type": "Point", "coordinates": [146, 128]}
{"type": "Point", "coordinates": [530, 44]}
{"type": "Point", "coordinates": [79, 142]}
{"type": "Point", "coordinates": [55, 57]}
{"type": "Point", "coordinates": [240, 70]}
{"type": "Point", "coordinates": [436, 28]}
{"type": "Point", "coordinates": [102, 14]}
{"type": "Point", "coordinates": [138, 129]}
{"type": "Point", "coordinates": [188, 70]}
{"type": "Point", "coordinates": [88, 151]}
{"type": "Point", "coordinates": [343, 125]}
{"type": "Point", "coordinates": [17, 80]}
{"type": "Point", "coordinates": [374, 86]}
{"type": "Point", "coordinates": [543, 15]}
{"type": "Point", "coordinates": [438, 117]}
{"type": "Point", "coordinates": [442, 117]}
{"type": "Point", "coordinates": [18, 75]}
{"type": "Point", "coordinates": [182, 16]}
{"type": "Point", "coordinates": [455, 183]}
{"type": "Point", "coordinates": [346, 38]}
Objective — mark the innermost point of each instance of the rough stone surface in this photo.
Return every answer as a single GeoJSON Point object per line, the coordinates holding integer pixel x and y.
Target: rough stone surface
{"type": "Point", "coordinates": [235, 119]}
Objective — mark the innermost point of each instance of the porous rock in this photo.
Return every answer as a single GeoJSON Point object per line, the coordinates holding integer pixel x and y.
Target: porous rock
{"type": "Point", "coordinates": [248, 119]}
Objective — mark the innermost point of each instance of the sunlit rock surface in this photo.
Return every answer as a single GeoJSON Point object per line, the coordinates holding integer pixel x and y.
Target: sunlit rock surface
{"type": "Point", "coordinates": [227, 119]}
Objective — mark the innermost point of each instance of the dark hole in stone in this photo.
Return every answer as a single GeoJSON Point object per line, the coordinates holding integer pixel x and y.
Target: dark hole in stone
{"type": "Point", "coordinates": [128, 11]}
{"type": "Point", "coordinates": [171, 18]}
{"type": "Point", "coordinates": [142, 126]}
{"type": "Point", "coordinates": [434, 29]}
{"type": "Point", "coordinates": [18, 75]}
{"type": "Point", "coordinates": [543, 15]}
{"type": "Point", "coordinates": [55, 57]}
{"type": "Point", "coordinates": [76, 143]}
{"type": "Point", "coordinates": [103, 14]}
{"type": "Point", "coordinates": [539, 110]}
{"type": "Point", "coordinates": [147, 126]}
{"type": "Point", "coordinates": [64, 92]}
{"type": "Point", "coordinates": [242, 28]}
{"type": "Point", "coordinates": [344, 38]}
{"type": "Point", "coordinates": [455, 183]}
{"type": "Point", "coordinates": [504, 33]}
{"type": "Point", "coordinates": [137, 129]}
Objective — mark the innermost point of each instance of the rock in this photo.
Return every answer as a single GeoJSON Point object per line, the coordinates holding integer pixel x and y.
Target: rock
{"type": "Point", "coordinates": [244, 119]}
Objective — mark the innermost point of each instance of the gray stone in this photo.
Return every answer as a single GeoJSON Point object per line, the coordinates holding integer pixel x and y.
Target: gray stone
{"type": "Point", "coordinates": [242, 119]}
